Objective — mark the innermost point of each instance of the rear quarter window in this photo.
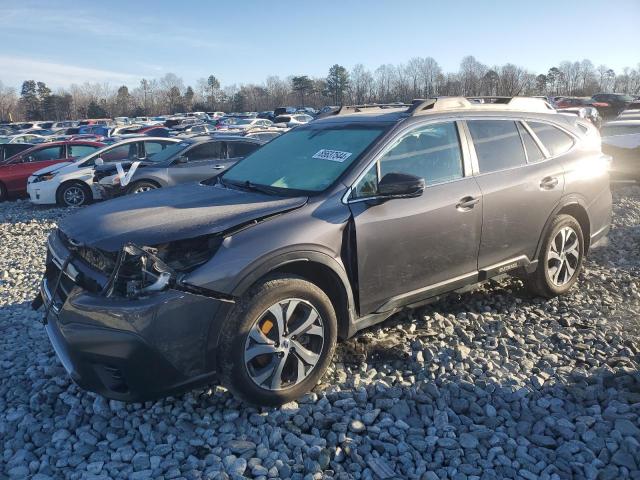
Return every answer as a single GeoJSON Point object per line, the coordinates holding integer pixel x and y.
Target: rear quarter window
{"type": "Point", "coordinates": [556, 141]}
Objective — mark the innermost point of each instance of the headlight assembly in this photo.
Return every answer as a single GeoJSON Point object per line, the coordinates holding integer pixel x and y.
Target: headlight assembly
{"type": "Point", "coordinates": [44, 177]}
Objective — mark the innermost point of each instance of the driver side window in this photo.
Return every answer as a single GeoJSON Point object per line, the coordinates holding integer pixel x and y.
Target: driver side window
{"type": "Point", "coordinates": [431, 152]}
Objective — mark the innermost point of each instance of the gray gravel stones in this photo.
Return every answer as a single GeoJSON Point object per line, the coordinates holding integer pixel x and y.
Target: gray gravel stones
{"type": "Point", "coordinates": [490, 384]}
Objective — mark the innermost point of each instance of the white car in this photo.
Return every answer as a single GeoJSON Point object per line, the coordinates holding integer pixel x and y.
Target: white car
{"type": "Point", "coordinates": [294, 119]}
{"type": "Point", "coordinates": [23, 138]}
{"type": "Point", "coordinates": [249, 123]}
{"type": "Point", "coordinates": [71, 184]}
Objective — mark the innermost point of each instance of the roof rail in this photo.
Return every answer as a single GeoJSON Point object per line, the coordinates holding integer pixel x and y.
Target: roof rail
{"type": "Point", "coordinates": [345, 109]}
{"type": "Point", "coordinates": [422, 106]}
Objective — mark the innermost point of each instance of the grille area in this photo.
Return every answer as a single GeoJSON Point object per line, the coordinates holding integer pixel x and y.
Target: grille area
{"type": "Point", "coordinates": [59, 296]}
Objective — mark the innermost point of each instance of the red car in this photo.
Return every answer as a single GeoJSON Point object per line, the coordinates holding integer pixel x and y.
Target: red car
{"type": "Point", "coordinates": [15, 170]}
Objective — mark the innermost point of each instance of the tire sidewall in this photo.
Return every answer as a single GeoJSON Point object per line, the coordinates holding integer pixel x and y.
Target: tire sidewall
{"type": "Point", "coordinates": [87, 194]}
{"type": "Point", "coordinates": [561, 222]}
{"type": "Point", "coordinates": [243, 317]}
{"type": "Point", "coordinates": [138, 184]}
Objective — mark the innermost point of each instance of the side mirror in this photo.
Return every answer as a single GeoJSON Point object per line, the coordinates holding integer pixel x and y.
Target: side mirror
{"type": "Point", "coordinates": [182, 159]}
{"type": "Point", "coordinates": [99, 162]}
{"type": "Point", "coordinates": [400, 185]}
{"type": "Point", "coordinates": [30, 158]}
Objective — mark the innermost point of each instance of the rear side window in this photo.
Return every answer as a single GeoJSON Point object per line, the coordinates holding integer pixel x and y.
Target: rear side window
{"type": "Point", "coordinates": [240, 149]}
{"type": "Point", "coordinates": [534, 154]}
{"type": "Point", "coordinates": [497, 143]}
{"type": "Point", "coordinates": [556, 141]}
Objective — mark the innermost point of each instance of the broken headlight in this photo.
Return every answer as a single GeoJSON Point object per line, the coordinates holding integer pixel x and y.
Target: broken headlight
{"type": "Point", "coordinates": [143, 270]}
{"type": "Point", "coordinates": [138, 271]}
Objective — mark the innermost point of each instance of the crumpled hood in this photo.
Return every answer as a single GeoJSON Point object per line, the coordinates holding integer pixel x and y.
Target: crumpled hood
{"type": "Point", "coordinates": [51, 168]}
{"type": "Point", "coordinates": [170, 214]}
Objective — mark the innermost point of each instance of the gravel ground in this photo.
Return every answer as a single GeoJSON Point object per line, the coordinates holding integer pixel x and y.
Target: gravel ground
{"type": "Point", "coordinates": [489, 384]}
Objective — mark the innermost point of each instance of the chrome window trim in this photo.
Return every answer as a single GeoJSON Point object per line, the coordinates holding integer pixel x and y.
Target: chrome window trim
{"type": "Point", "coordinates": [535, 137]}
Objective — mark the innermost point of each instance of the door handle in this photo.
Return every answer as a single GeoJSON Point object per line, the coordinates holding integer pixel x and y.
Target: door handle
{"type": "Point", "coordinates": [549, 183]}
{"type": "Point", "coordinates": [467, 203]}
{"type": "Point", "coordinates": [218, 167]}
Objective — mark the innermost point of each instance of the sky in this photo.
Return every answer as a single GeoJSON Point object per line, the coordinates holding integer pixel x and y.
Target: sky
{"type": "Point", "coordinates": [120, 42]}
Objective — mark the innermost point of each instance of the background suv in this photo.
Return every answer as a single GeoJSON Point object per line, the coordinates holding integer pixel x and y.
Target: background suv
{"type": "Point", "coordinates": [325, 230]}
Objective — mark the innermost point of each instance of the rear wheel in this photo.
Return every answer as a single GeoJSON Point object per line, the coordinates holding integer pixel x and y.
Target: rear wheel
{"type": "Point", "coordinates": [142, 186]}
{"type": "Point", "coordinates": [74, 194]}
{"type": "Point", "coordinates": [278, 341]}
{"type": "Point", "coordinates": [560, 259]}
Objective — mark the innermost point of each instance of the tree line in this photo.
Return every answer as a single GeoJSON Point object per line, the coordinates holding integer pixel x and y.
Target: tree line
{"type": "Point", "coordinates": [419, 77]}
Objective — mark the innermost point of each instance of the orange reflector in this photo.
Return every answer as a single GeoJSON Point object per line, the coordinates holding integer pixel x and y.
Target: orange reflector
{"type": "Point", "coordinates": [266, 327]}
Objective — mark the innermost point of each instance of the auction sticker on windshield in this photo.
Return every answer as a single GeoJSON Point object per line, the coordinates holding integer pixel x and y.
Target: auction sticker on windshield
{"type": "Point", "coordinates": [333, 155]}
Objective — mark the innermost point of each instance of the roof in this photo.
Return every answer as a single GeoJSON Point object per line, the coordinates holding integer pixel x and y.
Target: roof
{"type": "Point", "coordinates": [418, 107]}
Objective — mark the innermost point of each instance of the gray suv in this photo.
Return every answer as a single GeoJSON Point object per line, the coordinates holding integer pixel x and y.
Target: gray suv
{"type": "Point", "coordinates": [251, 278]}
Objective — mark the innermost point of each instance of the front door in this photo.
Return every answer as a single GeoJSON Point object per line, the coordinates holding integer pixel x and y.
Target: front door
{"type": "Point", "coordinates": [413, 248]}
{"type": "Point", "coordinates": [19, 172]}
{"type": "Point", "coordinates": [202, 162]}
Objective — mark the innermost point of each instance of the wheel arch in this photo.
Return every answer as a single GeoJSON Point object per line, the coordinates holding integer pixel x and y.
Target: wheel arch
{"type": "Point", "coordinates": [74, 181]}
{"type": "Point", "coordinates": [319, 269]}
{"type": "Point", "coordinates": [147, 180]}
{"type": "Point", "coordinates": [575, 206]}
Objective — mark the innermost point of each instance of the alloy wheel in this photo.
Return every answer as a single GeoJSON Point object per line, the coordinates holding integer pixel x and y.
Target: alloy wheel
{"type": "Point", "coordinates": [563, 256]}
{"type": "Point", "coordinates": [284, 344]}
{"type": "Point", "coordinates": [74, 196]}
{"type": "Point", "coordinates": [143, 188]}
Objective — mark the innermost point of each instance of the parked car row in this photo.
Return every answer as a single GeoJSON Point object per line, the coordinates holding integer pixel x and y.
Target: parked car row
{"type": "Point", "coordinates": [252, 277]}
{"type": "Point", "coordinates": [621, 140]}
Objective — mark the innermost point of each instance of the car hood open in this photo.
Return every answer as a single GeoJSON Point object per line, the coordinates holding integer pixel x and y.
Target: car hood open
{"type": "Point", "coordinates": [169, 214]}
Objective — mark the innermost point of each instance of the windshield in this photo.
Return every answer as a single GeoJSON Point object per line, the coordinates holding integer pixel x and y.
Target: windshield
{"type": "Point", "coordinates": [169, 152]}
{"type": "Point", "coordinates": [245, 122]}
{"type": "Point", "coordinates": [307, 158]}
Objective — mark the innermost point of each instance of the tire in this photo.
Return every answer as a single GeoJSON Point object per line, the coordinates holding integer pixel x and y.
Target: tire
{"type": "Point", "coordinates": [559, 262]}
{"type": "Point", "coordinates": [141, 187]}
{"type": "Point", "coordinates": [3, 193]}
{"type": "Point", "coordinates": [279, 374]}
{"type": "Point", "coordinates": [74, 194]}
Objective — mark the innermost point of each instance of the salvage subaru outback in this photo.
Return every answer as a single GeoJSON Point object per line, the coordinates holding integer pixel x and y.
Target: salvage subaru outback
{"type": "Point", "coordinates": [250, 278]}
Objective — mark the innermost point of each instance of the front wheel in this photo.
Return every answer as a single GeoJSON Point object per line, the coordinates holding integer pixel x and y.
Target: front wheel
{"type": "Point", "coordinates": [74, 194]}
{"type": "Point", "coordinates": [278, 341]}
{"type": "Point", "coordinates": [141, 187]}
{"type": "Point", "coordinates": [560, 259]}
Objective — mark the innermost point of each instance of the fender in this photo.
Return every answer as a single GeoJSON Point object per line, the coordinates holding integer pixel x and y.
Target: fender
{"type": "Point", "coordinates": [570, 199]}
{"type": "Point", "coordinates": [272, 263]}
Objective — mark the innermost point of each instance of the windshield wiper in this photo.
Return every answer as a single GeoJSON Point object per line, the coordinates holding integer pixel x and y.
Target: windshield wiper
{"type": "Point", "coordinates": [254, 187]}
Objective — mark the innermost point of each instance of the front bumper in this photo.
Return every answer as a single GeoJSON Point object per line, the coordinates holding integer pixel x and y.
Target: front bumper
{"type": "Point", "coordinates": [42, 193]}
{"type": "Point", "coordinates": [129, 349]}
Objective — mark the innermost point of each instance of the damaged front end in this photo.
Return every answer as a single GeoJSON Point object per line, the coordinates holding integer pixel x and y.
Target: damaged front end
{"type": "Point", "coordinates": [139, 271]}
{"type": "Point", "coordinates": [113, 318]}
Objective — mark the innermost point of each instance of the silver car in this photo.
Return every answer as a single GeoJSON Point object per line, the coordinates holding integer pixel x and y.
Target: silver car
{"type": "Point", "coordinates": [192, 160]}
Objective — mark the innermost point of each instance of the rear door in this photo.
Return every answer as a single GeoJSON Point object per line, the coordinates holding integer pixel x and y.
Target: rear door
{"type": "Point", "coordinates": [521, 185]}
{"type": "Point", "coordinates": [18, 173]}
{"type": "Point", "coordinates": [202, 162]}
{"type": "Point", "coordinates": [412, 248]}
